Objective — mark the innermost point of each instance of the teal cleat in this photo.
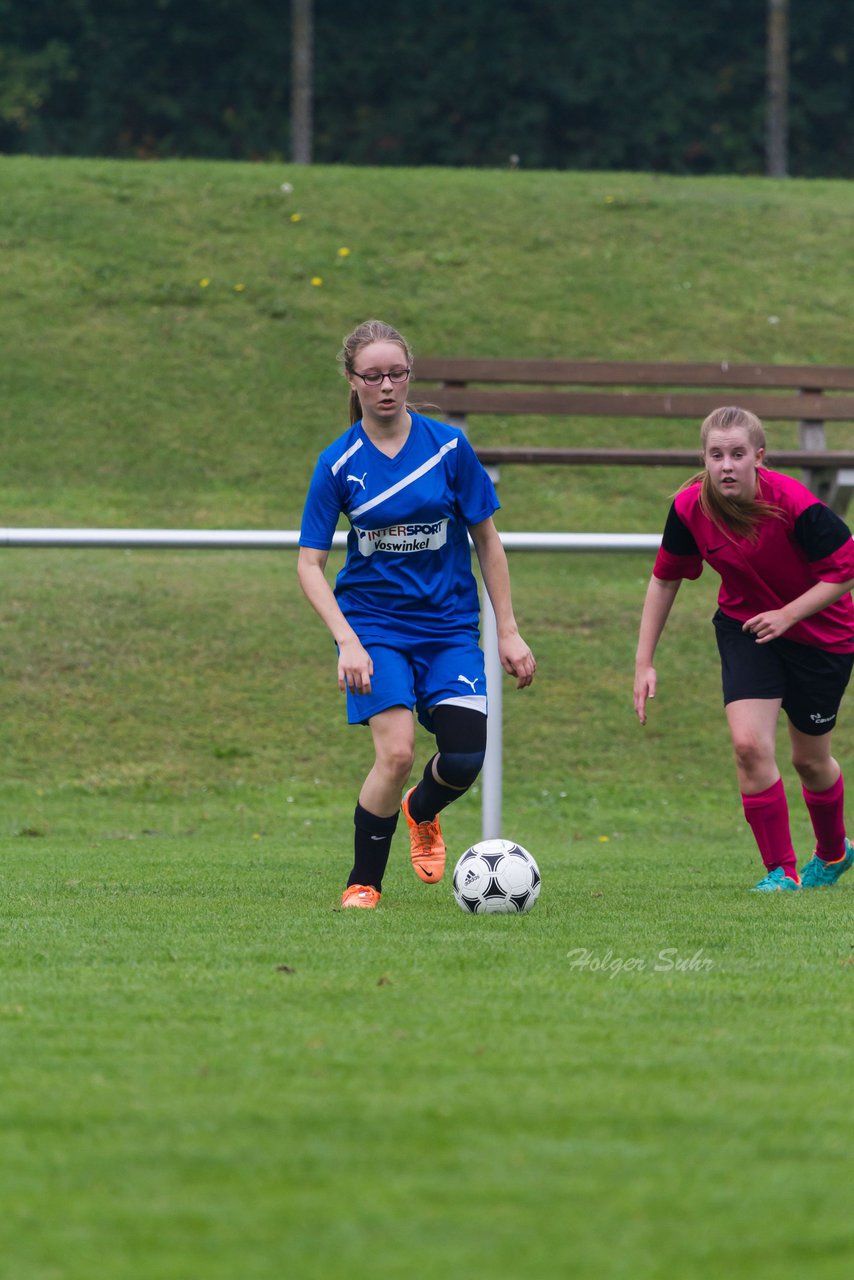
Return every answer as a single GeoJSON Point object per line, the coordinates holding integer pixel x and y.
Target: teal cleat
{"type": "Point", "coordinates": [818, 874]}
{"type": "Point", "coordinates": [775, 880]}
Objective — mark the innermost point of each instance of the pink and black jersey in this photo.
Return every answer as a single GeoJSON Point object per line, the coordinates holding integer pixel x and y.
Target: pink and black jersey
{"type": "Point", "coordinates": [805, 544]}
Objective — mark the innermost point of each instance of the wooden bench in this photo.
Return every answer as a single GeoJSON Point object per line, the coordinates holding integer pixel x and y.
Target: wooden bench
{"type": "Point", "coordinates": [811, 395]}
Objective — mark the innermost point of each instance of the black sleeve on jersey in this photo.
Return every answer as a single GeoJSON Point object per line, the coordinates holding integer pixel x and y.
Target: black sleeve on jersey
{"type": "Point", "coordinates": [820, 531]}
{"type": "Point", "coordinates": [677, 537]}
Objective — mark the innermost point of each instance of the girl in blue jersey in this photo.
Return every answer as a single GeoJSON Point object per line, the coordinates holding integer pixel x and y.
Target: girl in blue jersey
{"type": "Point", "coordinates": [785, 633]}
{"type": "Point", "coordinates": [404, 611]}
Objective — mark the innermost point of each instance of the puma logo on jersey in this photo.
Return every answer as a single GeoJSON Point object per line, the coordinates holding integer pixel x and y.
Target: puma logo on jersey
{"type": "Point", "coordinates": [358, 479]}
{"type": "Point", "coordinates": [466, 680]}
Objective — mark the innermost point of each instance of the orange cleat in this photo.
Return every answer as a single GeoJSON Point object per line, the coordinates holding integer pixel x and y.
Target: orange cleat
{"type": "Point", "coordinates": [360, 895]}
{"type": "Point", "coordinates": [427, 848]}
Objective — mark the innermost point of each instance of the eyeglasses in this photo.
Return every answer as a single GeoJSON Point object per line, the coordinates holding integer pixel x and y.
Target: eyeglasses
{"type": "Point", "coordinates": [399, 374]}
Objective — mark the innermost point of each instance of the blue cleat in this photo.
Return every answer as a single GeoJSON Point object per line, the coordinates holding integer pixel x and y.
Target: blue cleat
{"type": "Point", "coordinates": [774, 881]}
{"type": "Point", "coordinates": [818, 874]}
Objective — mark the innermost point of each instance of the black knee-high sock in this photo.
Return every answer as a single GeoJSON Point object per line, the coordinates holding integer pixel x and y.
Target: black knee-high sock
{"type": "Point", "coordinates": [372, 846]}
{"type": "Point", "coordinates": [431, 797]}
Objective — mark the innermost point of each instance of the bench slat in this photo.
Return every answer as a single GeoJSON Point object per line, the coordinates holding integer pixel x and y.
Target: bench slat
{"type": "Point", "coordinates": [655, 457]}
{"type": "Point", "coordinates": [625, 404]}
{"type": "Point", "coordinates": [628, 373]}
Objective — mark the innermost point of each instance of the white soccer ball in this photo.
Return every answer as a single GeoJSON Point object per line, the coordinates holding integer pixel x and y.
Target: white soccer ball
{"type": "Point", "coordinates": [496, 876]}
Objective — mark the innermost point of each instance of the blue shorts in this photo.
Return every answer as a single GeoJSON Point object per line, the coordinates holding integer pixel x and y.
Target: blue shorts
{"type": "Point", "coordinates": [421, 674]}
{"type": "Point", "coordinates": [809, 681]}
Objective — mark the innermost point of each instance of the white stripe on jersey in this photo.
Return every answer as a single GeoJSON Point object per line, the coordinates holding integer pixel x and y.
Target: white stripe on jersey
{"type": "Point", "coordinates": [407, 480]}
{"type": "Point", "coordinates": [336, 466]}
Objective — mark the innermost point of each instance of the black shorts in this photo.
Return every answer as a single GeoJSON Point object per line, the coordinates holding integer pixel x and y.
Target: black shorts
{"type": "Point", "coordinates": [810, 681]}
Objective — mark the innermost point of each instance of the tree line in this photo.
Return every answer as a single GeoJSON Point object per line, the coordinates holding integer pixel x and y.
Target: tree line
{"type": "Point", "coordinates": [620, 84]}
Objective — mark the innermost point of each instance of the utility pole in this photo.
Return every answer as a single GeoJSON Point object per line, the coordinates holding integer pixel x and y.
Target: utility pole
{"type": "Point", "coordinates": [777, 125]}
{"type": "Point", "coordinates": [302, 62]}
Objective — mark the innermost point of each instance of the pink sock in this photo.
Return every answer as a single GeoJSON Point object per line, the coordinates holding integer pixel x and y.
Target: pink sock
{"type": "Point", "coordinates": [767, 812]}
{"type": "Point", "coordinates": [828, 821]}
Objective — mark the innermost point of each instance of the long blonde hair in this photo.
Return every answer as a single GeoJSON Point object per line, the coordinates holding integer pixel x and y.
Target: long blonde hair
{"type": "Point", "coordinates": [362, 336]}
{"type": "Point", "coordinates": [741, 516]}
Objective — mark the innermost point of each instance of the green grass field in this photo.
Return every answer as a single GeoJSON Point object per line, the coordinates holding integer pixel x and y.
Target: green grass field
{"type": "Point", "coordinates": [207, 1069]}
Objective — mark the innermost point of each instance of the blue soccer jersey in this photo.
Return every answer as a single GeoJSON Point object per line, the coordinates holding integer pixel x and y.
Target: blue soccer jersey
{"type": "Point", "coordinates": [408, 571]}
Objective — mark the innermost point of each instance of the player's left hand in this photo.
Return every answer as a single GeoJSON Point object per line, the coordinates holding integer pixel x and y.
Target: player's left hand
{"type": "Point", "coordinates": [768, 626]}
{"type": "Point", "coordinates": [517, 659]}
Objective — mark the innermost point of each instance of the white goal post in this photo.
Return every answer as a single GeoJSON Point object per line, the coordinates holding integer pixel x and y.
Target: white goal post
{"type": "Point", "coordinates": [288, 539]}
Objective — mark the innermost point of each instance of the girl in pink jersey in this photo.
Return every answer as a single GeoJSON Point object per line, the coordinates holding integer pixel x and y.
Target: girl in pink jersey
{"type": "Point", "coordinates": [785, 633]}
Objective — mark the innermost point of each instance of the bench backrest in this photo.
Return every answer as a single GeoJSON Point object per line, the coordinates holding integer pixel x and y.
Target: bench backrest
{"type": "Point", "coordinates": [800, 393]}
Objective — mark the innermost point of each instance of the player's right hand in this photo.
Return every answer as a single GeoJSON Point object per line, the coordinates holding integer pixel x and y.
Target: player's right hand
{"type": "Point", "coordinates": [355, 667]}
{"type": "Point", "coordinates": [645, 681]}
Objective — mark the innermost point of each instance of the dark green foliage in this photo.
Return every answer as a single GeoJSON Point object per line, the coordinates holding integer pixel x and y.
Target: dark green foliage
{"type": "Point", "coordinates": [175, 77]}
{"type": "Point", "coordinates": [623, 84]}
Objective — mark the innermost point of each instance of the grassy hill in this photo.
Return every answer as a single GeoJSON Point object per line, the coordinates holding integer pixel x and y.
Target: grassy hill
{"type": "Point", "coordinates": [170, 362]}
{"type": "Point", "coordinates": [168, 359]}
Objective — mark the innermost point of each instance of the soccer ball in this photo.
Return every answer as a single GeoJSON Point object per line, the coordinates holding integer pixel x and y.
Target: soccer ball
{"type": "Point", "coordinates": [496, 876]}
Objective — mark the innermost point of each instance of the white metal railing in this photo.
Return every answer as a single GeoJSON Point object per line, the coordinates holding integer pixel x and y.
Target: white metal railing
{"type": "Point", "coordinates": [284, 539]}
{"type": "Point", "coordinates": [288, 539]}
